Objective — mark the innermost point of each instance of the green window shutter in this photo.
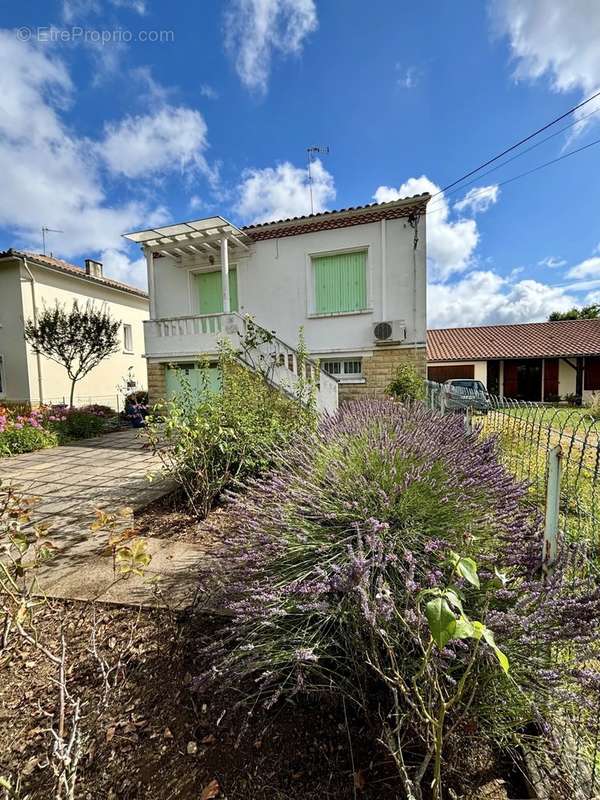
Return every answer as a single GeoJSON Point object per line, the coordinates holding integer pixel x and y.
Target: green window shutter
{"type": "Point", "coordinates": [192, 373]}
{"type": "Point", "coordinates": [340, 282]}
{"type": "Point", "coordinates": [211, 293]}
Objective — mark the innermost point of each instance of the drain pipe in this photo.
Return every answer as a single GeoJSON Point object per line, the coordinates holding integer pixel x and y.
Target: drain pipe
{"type": "Point", "coordinates": [38, 356]}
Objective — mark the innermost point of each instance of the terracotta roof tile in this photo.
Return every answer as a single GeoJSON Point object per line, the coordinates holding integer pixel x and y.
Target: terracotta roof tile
{"type": "Point", "coordinates": [71, 269]}
{"type": "Point", "coordinates": [340, 218]}
{"type": "Point", "coordinates": [573, 337]}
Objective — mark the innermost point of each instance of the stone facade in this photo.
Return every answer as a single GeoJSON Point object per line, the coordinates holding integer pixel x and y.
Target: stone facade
{"type": "Point", "coordinates": [157, 388]}
{"type": "Point", "coordinates": [379, 369]}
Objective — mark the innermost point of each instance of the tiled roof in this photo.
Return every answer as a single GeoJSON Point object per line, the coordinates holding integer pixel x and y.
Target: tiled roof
{"type": "Point", "coordinates": [340, 218]}
{"type": "Point", "coordinates": [571, 337]}
{"type": "Point", "coordinates": [71, 269]}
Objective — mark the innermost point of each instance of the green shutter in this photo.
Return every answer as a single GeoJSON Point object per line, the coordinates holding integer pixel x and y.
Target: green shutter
{"type": "Point", "coordinates": [340, 282]}
{"type": "Point", "coordinates": [211, 294]}
{"type": "Point", "coordinates": [211, 382]}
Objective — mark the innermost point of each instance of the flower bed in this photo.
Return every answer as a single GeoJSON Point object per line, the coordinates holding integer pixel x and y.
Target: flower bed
{"type": "Point", "coordinates": [48, 426]}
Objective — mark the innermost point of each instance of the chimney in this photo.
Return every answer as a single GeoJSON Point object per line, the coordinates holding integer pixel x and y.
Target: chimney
{"type": "Point", "coordinates": [93, 268]}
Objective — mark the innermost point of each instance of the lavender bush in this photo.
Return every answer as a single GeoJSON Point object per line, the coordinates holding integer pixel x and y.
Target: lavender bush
{"type": "Point", "coordinates": [392, 560]}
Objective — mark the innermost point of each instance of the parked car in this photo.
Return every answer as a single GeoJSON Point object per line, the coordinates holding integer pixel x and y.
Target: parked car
{"type": "Point", "coordinates": [463, 393]}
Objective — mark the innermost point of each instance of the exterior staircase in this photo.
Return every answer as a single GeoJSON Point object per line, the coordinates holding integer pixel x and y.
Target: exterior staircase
{"type": "Point", "coordinates": [198, 336]}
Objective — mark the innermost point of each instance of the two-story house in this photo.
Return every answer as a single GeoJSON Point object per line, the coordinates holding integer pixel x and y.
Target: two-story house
{"type": "Point", "coordinates": [30, 282]}
{"type": "Point", "coordinates": [354, 280]}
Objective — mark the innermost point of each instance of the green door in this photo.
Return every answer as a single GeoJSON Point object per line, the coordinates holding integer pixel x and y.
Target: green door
{"type": "Point", "coordinates": [210, 291]}
{"type": "Point", "coordinates": [176, 374]}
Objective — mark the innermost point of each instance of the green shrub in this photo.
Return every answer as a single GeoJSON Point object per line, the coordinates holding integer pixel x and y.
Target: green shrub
{"type": "Point", "coordinates": [391, 561]}
{"type": "Point", "coordinates": [407, 384]}
{"type": "Point", "coordinates": [214, 440]}
{"type": "Point", "coordinates": [594, 407]}
{"type": "Point", "coordinates": [15, 440]}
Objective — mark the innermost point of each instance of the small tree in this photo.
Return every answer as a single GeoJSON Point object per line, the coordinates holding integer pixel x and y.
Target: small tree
{"type": "Point", "coordinates": [78, 339]}
{"type": "Point", "coordinates": [587, 312]}
{"type": "Point", "coordinates": [406, 384]}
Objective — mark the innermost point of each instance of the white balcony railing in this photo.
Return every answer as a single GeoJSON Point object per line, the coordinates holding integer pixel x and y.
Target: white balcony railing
{"type": "Point", "coordinates": [195, 336]}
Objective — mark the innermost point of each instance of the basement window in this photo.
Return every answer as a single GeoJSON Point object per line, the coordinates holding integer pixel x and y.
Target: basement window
{"type": "Point", "coordinates": [344, 369]}
{"type": "Point", "coordinates": [127, 338]}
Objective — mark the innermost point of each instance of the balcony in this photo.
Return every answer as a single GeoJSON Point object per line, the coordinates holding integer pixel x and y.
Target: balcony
{"type": "Point", "coordinates": [197, 336]}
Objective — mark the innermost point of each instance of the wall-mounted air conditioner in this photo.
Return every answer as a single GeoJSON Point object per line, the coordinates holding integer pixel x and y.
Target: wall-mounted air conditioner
{"type": "Point", "coordinates": [389, 332]}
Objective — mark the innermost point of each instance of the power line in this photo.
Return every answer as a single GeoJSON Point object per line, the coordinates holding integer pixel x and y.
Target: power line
{"type": "Point", "coordinates": [518, 144]}
{"type": "Point", "coordinates": [534, 169]}
{"type": "Point", "coordinates": [517, 155]}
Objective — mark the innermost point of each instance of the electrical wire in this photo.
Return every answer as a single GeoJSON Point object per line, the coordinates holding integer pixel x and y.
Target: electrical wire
{"type": "Point", "coordinates": [529, 171]}
{"type": "Point", "coordinates": [518, 144]}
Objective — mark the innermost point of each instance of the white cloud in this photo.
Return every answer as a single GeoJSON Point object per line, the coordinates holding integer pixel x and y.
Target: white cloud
{"type": "Point", "coordinates": [590, 268]}
{"type": "Point", "coordinates": [408, 78]}
{"type": "Point", "coordinates": [553, 262]}
{"type": "Point", "coordinates": [450, 244]}
{"type": "Point", "coordinates": [478, 199]}
{"type": "Point", "coordinates": [169, 140]}
{"type": "Point", "coordinates": [118, 265]}
{"type": "Point", "coordinates": [74, 10]}
{"type": "Point", "coordinates": [283, 191]}
{"type": "Point", "coordinates": [554, 40]}
{"type": "Point", "coordinates": [206, 90]}
{"type": "Point", "coordinates": [50, 176]}
{"type": "Point", "coordinates": [486, 298]}
{"type": "Point", "coordinates": [256, 29]}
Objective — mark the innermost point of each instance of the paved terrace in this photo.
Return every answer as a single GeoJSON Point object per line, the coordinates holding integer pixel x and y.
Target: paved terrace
{"type": "Point", "coordinates": [75, 480]}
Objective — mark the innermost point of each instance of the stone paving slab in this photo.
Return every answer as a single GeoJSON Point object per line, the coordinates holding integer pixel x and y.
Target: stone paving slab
{"type": "Point", "coordinates": [75, 480]}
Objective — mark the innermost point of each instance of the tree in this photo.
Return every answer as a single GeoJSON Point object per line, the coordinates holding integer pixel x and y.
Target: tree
{"type": "Point", "coordinates": [406, 384]}
{"type": "Point", "coordinates": [78, 339]}
{"type": "Point", "coordinates": [587, 312]}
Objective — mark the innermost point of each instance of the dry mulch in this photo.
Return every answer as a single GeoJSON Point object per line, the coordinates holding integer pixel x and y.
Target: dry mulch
{"type": "Point", "coordinates": [148, 734]}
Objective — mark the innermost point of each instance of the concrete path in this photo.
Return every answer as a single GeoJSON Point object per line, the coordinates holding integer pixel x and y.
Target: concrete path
{"type": "Point", "coordinates": [107, 473]}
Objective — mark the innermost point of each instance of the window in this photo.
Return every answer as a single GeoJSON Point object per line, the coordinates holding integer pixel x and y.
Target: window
{"type": "Point", "coordinates": [128, 338]}
{"type": "Point", "coordinates": [2, 379]}
{"type": "Point", "coordinates": [340, 283]}
{"type": "Point", "coordinates": [344, 369]}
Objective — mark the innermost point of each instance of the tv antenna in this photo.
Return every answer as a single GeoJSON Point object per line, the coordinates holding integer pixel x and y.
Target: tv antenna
{"type": "Point", "coordinates": [46, 230]}
{"type": "Point", "coordinates": [311, 152]}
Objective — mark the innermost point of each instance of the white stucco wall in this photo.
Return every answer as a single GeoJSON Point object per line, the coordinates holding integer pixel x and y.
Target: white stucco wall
{"type": "Point", "coordinates": [275, 285]}
{"type": "Point", "coordinates": [100, 385]}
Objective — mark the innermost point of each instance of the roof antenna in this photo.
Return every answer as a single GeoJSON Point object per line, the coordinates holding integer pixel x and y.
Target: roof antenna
{"type": "Point", "coordinates": [311, 151]}
{"type": "Point", "coordinates": [46, 230]}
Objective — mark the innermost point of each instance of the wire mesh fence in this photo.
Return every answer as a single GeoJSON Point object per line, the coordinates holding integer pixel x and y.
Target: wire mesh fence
{"type": "Point", "coordinates": [555, 452]}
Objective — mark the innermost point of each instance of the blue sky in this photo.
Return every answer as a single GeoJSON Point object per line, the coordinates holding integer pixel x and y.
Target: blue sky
{"type": "Point", "coordinates": [190, 109]}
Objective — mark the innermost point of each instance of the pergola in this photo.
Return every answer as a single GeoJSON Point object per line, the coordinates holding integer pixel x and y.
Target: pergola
{"type": "Point", "coordinates": [199, 237]}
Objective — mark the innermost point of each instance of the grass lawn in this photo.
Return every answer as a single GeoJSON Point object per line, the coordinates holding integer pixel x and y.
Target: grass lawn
{"type": "Point", "coordinates": [567, 418]}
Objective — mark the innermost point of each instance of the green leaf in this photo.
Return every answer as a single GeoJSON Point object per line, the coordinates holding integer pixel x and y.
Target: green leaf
{"type": "Point", "coordinates": [488, 635]}
{"type": "Point", "coordinates": [467, 569]}
{"type": "Point", "coordinates": [464, 628]}
{"type": "Point", "coordinates": [442, 622]}
{"type": "Point", "coordinates": [454, 599]}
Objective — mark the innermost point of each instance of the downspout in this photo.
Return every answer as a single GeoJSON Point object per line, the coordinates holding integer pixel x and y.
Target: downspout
{"type": "Point", "coordinates": [383, 271]}
{"type": "Point", "coordinates": [38, 356]}
{"type": "Point", "coordinates": [413, 221]}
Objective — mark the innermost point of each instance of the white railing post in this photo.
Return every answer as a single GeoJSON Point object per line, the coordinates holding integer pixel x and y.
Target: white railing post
{"type": "Point", "coordinates": [554, 474]}
{"type": "Point", "coordinates": [225, 275]}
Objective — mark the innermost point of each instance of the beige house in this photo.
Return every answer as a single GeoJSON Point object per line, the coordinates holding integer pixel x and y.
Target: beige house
{"type": "Point", "coordinates": [28, 283]}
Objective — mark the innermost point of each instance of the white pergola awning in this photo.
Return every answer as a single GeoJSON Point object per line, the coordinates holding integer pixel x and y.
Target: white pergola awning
{"type": "Point", "coordinates": [199, 236]}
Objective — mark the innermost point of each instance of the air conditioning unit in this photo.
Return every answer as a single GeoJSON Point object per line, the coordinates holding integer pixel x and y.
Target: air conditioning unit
{"type": "Point", "coordinates": [389, 332]}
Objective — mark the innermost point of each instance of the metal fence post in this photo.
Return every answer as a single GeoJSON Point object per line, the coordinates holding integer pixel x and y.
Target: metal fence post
{"type": "Point", "coordinates": [442, 401]}
{"type": "Point", "coordinates": [468, 420]}
{"type": "Point", "coordinates": [552, 508]}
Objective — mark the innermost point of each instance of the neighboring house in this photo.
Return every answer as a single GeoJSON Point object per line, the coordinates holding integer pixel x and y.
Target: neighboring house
{"type": "Point", "coordinates": [28, 283]}
{"type": "Point", "coordinates": [534, 361]}
{"type": "Point", "coordinates": [354, 280]}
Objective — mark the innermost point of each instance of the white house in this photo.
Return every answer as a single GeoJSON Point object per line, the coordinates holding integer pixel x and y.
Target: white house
{"type": "Point", "coordinates": [354, 280]}
{"type": "Point", "coordinates": [31, 281]}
